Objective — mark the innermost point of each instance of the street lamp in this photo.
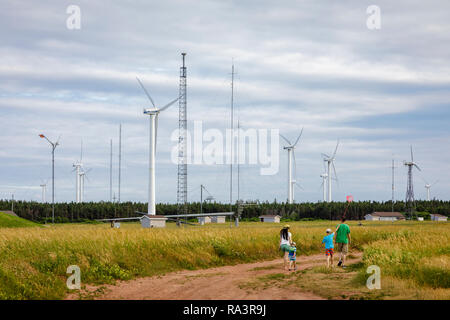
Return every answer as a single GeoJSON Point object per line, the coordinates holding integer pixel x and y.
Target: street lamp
{"type": "Point", "coordinates": [54, 145]}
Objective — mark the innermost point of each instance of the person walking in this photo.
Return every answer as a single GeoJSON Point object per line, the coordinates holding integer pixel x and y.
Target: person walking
{"type": "Point", "coordinates": [285, 244]}
{"type": "Point", "coordinates": [328, 241]}
{"type": "Point", "coordinates": [342, 241]}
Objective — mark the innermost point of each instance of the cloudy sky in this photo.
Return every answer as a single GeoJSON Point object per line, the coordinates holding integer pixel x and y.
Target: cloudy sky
{"type": "Point", "coordinates": [312, 64]}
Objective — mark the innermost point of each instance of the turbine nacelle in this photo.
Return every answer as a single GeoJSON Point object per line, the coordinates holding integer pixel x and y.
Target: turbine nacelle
{"type": "Point", "coordinates": [151, 111]}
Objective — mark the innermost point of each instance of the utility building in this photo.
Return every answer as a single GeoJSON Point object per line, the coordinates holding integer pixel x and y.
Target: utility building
{"type": "Point", "coordinates": [270, 218]}
{"type": "Point", "coordinates": [218, 219]}
{"type": "Point", "coordinates": [153, 221]}
{"type": "Point", "coordinates": [203, 220]}
{"type": "Point", "coordinates": [437, 217]}
{"type": "Point", "coordinates": [384, 216]}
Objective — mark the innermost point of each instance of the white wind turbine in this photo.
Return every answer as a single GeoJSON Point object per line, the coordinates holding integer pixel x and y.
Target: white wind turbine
{"type": "Point", "coordinates": [43, 185]}
{"type": "Point", "coordinates": [83, 174]}
{"type": "Point", "coordinates": [428, 187]}
{"type": "Point", "coordinates": [291, 182]}
{"type": "Point", "coordinates": [330, 163]}
{"type": "Point", "coordinates": [153, 113]}
{"type": "Point", "coordinates": [324, 177]}
{"type": "Point", "coordinates": [78, 165]}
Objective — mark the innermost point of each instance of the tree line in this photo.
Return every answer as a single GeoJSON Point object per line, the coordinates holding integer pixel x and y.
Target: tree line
{"type": "Point", "coordinates": [89, 211]}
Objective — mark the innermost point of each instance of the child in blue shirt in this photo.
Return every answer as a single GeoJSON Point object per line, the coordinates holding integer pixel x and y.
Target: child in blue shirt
{"type": "Point", "coordinates": [292, 257]}
{"type": "Point", "coordinates": [328, 240]}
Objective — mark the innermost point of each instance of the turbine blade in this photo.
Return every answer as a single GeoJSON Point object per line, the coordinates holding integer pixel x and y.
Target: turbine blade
{"type": "Point", "coordinates": [57, 141]}
{"type": "Point", "coordinates": [335, 150]}
{"type": "Point", "coordinates": [285, 139]}
{"type": "Point", "coordinates": [169, 104]}
{"type": "Point", "coordinates": [146, 92]}
{"type": "Point", "coordinates": [335, 174]}
{"type": "Point", "coordinates": [412, 157]}
{"type": "Point", "coordinates": [426, 182]}
{"type": "Point", "coordinates": [298, 138]}
{"type": "Point", "coordinates": [325, 155]}
{"type": "Point", "coordinates": [324, 166]}
{"type": "Point", "coordinates": [299, 186]}
{"type": "Point", "coordinates": [415, 165]}
{"type": "Point", "coordinates": [321, 185]}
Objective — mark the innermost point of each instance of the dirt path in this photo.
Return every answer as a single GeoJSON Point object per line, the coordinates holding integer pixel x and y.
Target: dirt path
{"type": "Point", "coordinates": [222, 283]}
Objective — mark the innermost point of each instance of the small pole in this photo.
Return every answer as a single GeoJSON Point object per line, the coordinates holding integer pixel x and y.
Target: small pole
{"type": "Point", "coordinates": [110, 172]}
{"type": "Point", "coordinates": [12, 203]}
{"type": "Point", "coordinates": [120, 157]}
{"type": "Point", "coordinates": [201, 198]}
{"type": "Point", "coordinates": [53, 183]}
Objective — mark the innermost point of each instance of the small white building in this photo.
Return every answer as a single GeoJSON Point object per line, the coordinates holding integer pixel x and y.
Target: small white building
{"type": "Point", "coordinates": [153, 221]}
{"type": "Point", "coordinates": [437, 217]}
{"type": "Point", "coordinates": [384, 216]}
{"type": "Point", "coordinates": [420, 218]}
{"type": "Point", "coordinates": [218, 219]}
{"type": "Point", "coordinates": [270, 218]}
{"type": "Point", "coordinates": [203, 220]}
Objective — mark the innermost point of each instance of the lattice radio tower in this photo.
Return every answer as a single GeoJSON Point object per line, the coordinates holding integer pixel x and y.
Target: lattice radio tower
{"type": "Point", "coordinates": [410, 202]}
{"type": "Point", "coordinates": [182, 144]}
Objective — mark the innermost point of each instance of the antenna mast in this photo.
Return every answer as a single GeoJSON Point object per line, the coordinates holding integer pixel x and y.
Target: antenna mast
{"type": "Point", "coordinates": [110, 171]}
{"type": "Point", "coordinates": [182, 143]}
{"type": "Point", "coordinates": [232, 137]}
{"type": "Point", "coordinates": [120, 157]}
{"type": "Point", "coordinates": [393, 184]}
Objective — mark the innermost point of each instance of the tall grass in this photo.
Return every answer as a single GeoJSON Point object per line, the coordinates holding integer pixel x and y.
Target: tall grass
{"type": "Point", "coordinates": [33, 261]}
{"type": "Point", "coordinates": [421, 255]}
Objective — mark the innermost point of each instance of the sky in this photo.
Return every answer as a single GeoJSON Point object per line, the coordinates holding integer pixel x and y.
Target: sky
{"type": "Point", "coordinates": [314, 65]}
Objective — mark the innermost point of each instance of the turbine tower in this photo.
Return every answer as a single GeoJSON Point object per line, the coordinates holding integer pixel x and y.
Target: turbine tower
{"type": "Point", "coordinates": [153, 112]}
{"type": "Point", "coordinates": [330, 163]}
{"type": "Point", "coordinates": [428, 187]}
{"type": "Point", "coordinates": [410, 202]}
{"type": "Point", "coordinates": [78, 165]}
{"type": "Point", "coordinates": [44, 189]}
{"type": "Point", "coordinates": [324, 177]}
{"type": "Point", "coordinates": [182, 144]}
{"type": "Point", "coordinates": [291, 156]}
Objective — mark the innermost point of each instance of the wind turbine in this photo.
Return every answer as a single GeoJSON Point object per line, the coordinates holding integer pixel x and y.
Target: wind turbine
{"type": "Point", "coordinates": [330, 163]}
{"type": "Point", "coordinates": [428, 187]}
{"type": "Point", "coordinates": [410, 185]}
{"type": "Point", "coordinates": [153, 113]}
{"type": "Point", "coordinates": [78, 165]}
{"type": "Point", "coordinates": [291, 154]}
{"type": "Point", "coordinates": [43, 185]}
{"type": "Point", "coordinates": [82, 175]}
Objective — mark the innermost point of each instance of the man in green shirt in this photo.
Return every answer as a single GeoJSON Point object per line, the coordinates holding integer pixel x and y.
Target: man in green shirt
{"type": "Point", "coordinates": [342, 241]}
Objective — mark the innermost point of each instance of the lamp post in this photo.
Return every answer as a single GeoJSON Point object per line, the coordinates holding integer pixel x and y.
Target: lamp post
{"type": "Point", "coordinates": [54, 145]}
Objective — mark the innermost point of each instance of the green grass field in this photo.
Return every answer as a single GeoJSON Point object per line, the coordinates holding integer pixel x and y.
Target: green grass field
{"type": "Point", "coordinates": [9, 221]}
{"type": "Point", "coordinates": [414, 256]}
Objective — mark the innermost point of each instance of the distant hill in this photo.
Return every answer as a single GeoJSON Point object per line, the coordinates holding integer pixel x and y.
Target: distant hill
{"type": "Point", "coordinates": [8, 220]}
